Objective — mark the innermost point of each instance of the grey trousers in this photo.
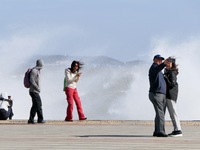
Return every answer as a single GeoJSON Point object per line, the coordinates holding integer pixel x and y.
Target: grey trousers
{"type": "Point", "coordinates": [159, 102]}
{"type": "Point", "coordinates": [171, 106]}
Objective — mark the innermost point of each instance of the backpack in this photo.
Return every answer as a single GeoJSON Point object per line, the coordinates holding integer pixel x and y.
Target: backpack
{"type": "Point", "coordinates": [27, 82]}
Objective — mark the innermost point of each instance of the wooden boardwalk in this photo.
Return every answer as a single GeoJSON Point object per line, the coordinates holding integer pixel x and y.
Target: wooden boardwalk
{"type": "Point", "coordinates": [86, 135]}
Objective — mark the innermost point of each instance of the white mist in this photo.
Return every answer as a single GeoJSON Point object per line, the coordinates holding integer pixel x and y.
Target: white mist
{"type": "Point", "coordinates": [111, 90]}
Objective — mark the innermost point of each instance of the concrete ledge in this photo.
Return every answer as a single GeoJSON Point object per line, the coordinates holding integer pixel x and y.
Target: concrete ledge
{"type": "Point", "coordinates": [100, 122]}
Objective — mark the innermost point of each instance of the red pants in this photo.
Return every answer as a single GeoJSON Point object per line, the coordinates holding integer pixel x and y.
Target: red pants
{"type": "Point", "coordinates": [72, 96]}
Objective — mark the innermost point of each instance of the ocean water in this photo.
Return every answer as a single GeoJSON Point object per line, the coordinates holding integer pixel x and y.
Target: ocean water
{"type": "Point", "coordinates": [109, 89]}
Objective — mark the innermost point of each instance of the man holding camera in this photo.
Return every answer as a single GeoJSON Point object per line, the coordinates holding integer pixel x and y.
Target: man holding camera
{"type": "Point", "coordinates": [5, 106]}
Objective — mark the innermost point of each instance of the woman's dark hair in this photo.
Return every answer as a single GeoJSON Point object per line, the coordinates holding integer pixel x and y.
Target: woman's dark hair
{"type": "Point", "coordinates": [174, 66]}
{"type": "Point", "coordinates": [80, 65]}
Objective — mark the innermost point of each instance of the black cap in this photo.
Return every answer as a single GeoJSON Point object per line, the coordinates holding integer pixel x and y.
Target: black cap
{"type": "Point", "coordinates": [158, 56]}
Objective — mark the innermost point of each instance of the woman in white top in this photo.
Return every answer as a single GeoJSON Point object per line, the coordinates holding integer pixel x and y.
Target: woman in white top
{"type": "Point", "coordinates": [72, 76]}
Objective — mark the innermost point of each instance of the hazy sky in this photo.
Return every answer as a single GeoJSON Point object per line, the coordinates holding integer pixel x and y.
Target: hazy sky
{"type": "Point", "coordinates": [121, 29]}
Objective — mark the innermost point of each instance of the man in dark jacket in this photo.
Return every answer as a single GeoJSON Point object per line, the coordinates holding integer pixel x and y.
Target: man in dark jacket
{"type": "Point", "coordinates": [34, 93]}
{"type": "Point", "coordinates": [157, 94]}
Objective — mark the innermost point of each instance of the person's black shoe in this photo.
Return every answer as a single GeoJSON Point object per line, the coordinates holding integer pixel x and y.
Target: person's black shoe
{"type": "Point", "coordinates": [176, 133]}
{"type": "Point", "coordinates": [31, 122]}
{"type": "Point", "coordinates": [154, 134]}
{"type": "Point", "coordinates": [41, 121]}
{"type": "Point", "coordinates": [68, 120]}
{"type": "Point", "coordinates": [160, 135]}
{"type": "Point", "coordinates": [83, 119]}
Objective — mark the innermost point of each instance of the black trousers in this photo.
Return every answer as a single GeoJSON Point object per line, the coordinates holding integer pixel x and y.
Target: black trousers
{"type": "Point", "coordinates": [4, 115]}
{"type": "Point", "coordinates": [36, 107]}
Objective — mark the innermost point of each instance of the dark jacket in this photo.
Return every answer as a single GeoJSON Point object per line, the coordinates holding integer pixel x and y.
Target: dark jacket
{"type": "Point", "coordinates": [172, 85]}
{"type": "Point", "coordinates": [156, 79]}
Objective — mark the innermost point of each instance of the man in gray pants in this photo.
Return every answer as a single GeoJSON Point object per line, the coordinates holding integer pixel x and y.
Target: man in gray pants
{"type": "Point", "coordinates": [157, 94]}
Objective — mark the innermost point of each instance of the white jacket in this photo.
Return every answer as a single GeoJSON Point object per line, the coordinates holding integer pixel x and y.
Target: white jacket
{"type": "Point", "coordinates": [4, 105]}
{"type": "Point", "coordinates": [71, 79]}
